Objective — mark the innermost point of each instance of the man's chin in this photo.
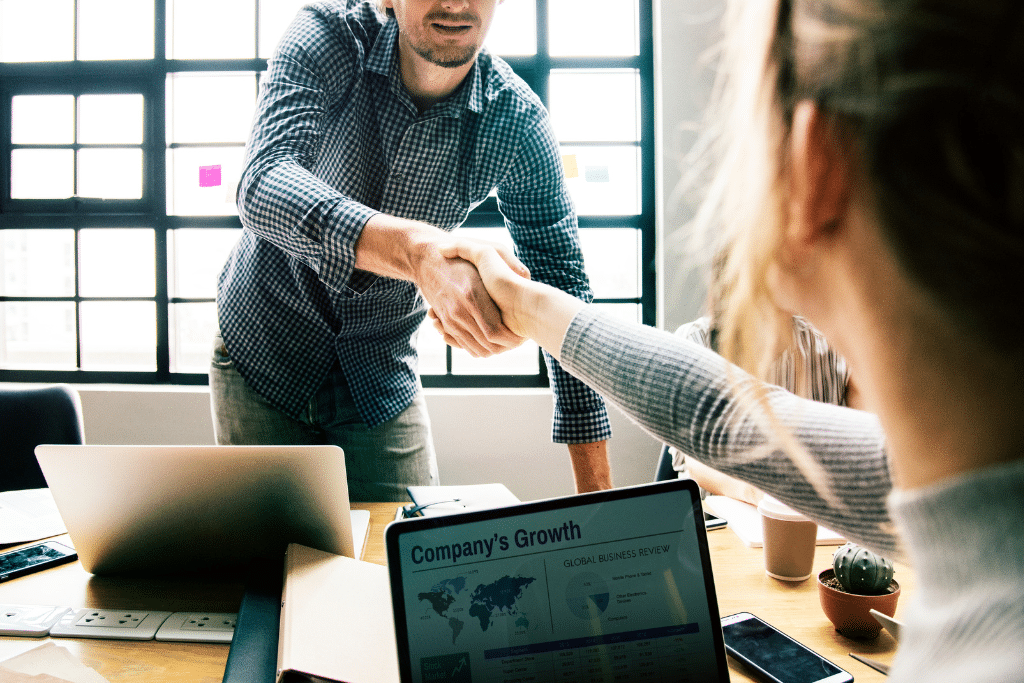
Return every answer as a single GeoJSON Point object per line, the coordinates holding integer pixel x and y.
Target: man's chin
{"type": "Point", "coordinates": [449, 59]}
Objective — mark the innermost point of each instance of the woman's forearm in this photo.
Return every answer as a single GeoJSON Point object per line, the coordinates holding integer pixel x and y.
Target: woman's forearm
{"type": "Point", "coordinates": [689, 397]}
{"type": "Point", "coordinates": [718, 484]}
{"type": "Point", "coordinates": [545, 314]}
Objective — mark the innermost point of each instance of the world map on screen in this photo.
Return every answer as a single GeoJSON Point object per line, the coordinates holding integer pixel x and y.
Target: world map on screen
{"type": "Point", "coordinates": [450, 599]}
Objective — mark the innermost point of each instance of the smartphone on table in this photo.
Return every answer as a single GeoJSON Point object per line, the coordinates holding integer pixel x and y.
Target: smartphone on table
{"type": "Point", "coordinates": [775, 657]}
{"type": "Point", "coordinates": [14, 563]}
{"type": "Point", "coordinates": [713, 521]}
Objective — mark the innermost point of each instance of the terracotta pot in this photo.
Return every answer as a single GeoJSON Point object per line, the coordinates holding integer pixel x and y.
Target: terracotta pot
{"type": "Point", "coordinates": [849, 613]}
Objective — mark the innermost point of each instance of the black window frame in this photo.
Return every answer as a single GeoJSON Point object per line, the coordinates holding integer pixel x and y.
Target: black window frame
{"type": "Point", "coordinates": [150, 76]}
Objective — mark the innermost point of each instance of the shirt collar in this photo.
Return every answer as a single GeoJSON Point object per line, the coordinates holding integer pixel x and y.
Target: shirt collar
{"type": "Point", "coordinates": [382, 54]}
{"type": "Point", "coordinates": [383, 60]}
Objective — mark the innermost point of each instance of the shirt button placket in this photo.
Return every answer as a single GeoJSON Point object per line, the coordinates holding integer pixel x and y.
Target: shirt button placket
{"type": "Point", "coordinates": [397, 193]}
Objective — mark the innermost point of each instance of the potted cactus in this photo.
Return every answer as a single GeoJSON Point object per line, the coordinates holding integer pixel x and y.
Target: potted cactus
{"type": "Point", "coordinates": [858, 581]}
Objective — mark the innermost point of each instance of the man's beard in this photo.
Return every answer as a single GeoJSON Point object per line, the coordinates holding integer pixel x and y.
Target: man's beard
{"type": "Point", "coordinates": [447, 58]}
{"type": "Point", "coordinates": [451, 57]}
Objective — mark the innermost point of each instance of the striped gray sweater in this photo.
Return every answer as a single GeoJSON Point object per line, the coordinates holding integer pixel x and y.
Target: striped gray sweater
{"type": "Point", "coordinates": [965, 538]}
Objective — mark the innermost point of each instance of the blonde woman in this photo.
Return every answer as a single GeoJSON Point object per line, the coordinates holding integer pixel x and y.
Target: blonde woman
{"type": "Point", "coordinates": [873, 183]}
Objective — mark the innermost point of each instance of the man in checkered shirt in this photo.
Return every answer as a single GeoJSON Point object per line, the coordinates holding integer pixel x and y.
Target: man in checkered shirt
{"type": "Point", "coordinates": [378, 128]}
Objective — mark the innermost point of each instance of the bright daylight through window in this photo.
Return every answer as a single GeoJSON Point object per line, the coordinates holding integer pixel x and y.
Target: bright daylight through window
{"type": "Point", "coordinates": [121, 144]}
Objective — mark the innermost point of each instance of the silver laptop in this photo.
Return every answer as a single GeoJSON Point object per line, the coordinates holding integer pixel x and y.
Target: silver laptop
{"type": "Point", "coordinates": [172, 509]}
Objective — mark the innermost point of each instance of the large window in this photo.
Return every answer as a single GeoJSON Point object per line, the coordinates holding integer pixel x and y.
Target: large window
{"type": "Point", "coordinates": [122, 128]}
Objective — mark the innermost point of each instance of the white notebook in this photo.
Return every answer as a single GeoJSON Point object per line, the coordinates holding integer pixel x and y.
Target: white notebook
{"type": "Point", "coordinates": [445, 500]}
{"type": "Point", "coordinates": [745, 521]}
{"type": "Point", "coordinates": [360, 530]}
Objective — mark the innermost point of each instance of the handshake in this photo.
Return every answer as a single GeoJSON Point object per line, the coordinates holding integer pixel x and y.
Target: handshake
{"type": "Point", "coordinates": [482, 299]}
{"type": "Point", "coordinates": [478, 296]}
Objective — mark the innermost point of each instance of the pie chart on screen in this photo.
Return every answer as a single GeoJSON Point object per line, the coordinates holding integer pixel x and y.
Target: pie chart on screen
{"type": "Point", "coordinates": [587, 595]}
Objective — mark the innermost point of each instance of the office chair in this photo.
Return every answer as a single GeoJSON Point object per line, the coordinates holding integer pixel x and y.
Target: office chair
{"type": "Point", "coordinates": [665, 469]}
{"type": "Point", "coordinates": [29, 417]}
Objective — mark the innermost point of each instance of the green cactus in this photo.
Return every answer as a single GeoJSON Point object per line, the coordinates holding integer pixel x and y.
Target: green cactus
{"type": "Point", "coordinates": [861, 571]}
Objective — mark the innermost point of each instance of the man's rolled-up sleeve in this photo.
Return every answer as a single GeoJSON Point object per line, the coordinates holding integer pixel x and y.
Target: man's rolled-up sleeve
{"type": "Point", "coordinates": [539, 214]}
{"type": "Point", "coordinates": [278, 197]}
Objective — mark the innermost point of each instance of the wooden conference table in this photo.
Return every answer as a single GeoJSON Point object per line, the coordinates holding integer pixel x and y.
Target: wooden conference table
{"type": "Point", "coordinates": [739, 579]}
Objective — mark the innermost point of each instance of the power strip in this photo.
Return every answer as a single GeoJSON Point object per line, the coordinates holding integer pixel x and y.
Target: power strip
{"type": "Point", "coordinates": [37, 621]}
{"type": "Point", "coordinates": [33, 621]}
{"type": "Point", "coordinates": [108, 623]}
{"type": "Point", "coordinates": [198, 627]}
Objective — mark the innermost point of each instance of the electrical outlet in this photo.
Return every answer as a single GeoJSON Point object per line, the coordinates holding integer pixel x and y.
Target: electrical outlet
{"type": "Point", "coordinates": [34, 621]}
{"type": "Point", "coordinates": [201, 627]}
{"type": "Point", "coordinates": [105, 623]}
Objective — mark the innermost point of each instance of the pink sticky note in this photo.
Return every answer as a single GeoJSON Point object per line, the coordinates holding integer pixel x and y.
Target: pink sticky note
{"type": "Point", "coordinates": [209, 176]}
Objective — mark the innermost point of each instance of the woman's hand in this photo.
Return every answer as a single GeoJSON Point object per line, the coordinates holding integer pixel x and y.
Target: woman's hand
{"type": "Point", "coordinates": [504, 275]}
{"type": "Point", "coordinates": [529, 309]}
{"type": "Point", "coordinates": [458, 300]}
{"type": "Point", "coordinates": [499, 270]}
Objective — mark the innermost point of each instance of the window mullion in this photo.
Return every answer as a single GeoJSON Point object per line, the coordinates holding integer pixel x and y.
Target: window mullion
{"type": "Point", "coordinates": [156, 173]}
{"type": "Point", "coordinates": [151, 77]}
{"type": "Point", "coordinates": [78, 298]}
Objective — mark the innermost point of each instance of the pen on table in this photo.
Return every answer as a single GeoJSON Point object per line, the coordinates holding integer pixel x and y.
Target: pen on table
{"type": "Point", "coordinates": [407, 511]}
{"type": "Point", "coordinates": [890, 624]}
{"type": "Point", "coordinates": [877, 666]}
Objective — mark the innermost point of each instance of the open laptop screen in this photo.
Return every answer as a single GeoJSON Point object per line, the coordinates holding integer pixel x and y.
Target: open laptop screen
{"type": "Point", "coordinates": [610, 586]}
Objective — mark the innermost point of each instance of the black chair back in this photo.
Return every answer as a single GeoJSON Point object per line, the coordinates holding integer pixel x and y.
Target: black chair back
{"type": "Point", "coordinates": [665, 470]}
{"type": "Point", "coordinates": [29, 417]}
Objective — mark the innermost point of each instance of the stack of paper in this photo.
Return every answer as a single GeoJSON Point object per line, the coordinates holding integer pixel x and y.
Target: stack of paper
{"type": "Point", "coordinates": [28, 515]}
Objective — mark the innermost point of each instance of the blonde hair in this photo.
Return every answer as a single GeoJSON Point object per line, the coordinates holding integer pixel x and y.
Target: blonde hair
{"type": "Point", "coordinates": [931, 91]}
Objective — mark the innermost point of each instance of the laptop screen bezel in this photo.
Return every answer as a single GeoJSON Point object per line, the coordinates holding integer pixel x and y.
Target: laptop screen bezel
{"type": "Point", "coordinates": [395, 530]}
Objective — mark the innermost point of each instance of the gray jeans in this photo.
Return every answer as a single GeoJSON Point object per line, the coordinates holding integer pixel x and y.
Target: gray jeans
{"type": "Point", "coordinates": [380, 462]}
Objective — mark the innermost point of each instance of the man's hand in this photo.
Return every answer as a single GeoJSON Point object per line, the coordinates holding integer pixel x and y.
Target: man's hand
{"type": "Point", "coordinates": [498, 273]}
{"type": "Point", "coordinates": [460, 305]}
{"type": "Point", "coordinates": [461, 308]}
{"type": "Point", "coordinates": [529, 309]}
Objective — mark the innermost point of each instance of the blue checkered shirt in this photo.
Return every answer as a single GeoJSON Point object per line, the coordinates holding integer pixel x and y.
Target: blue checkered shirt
{"type": "Point", "coordinates": [336, 140]}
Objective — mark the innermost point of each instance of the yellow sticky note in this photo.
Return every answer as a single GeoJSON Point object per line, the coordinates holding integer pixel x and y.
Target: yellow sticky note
{"type": "Point", "coordinates": [571, 169]}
